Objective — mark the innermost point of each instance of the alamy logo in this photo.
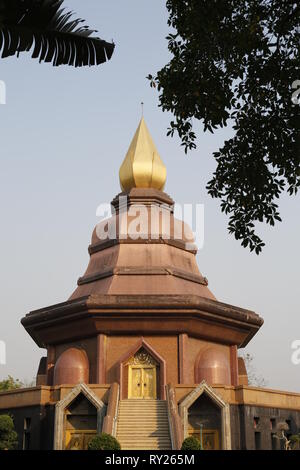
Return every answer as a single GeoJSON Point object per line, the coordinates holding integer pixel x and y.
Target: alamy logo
{"type": "Point", "coordinates": [2, 353]}
{"type": "Point", "coordinates": [141, 222]}
{"type": "Point", "coordinates": [2, 92]}
{"type": "Point", "coordinates": [296, 94]}
{"type": "Point", "coordinates": [296, 354]}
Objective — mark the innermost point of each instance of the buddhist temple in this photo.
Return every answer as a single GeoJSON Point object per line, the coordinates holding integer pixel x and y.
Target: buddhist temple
{"type": "Point", "coordinates": [142, 349]}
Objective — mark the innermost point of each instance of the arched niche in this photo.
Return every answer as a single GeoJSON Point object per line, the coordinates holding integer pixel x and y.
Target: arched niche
{"type": "Point", "coordinates": [72, 367]}
{"type": "Point", "coordinates": [213, 366]}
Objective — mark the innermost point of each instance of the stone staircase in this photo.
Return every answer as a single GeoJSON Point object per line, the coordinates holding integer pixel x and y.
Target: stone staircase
{"type": "Point", "coordinates": [143, 425]}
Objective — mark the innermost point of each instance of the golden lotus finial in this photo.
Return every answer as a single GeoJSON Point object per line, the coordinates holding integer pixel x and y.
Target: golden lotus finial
{"type": "Point", "coordinates": [142, 166]}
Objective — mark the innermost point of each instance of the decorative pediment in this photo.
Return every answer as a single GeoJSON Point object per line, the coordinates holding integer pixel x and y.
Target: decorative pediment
{"type": "Point", "coordinates": [187, 402]}
{"type": "Point", "coordinates": [142, 357]}
{"type": "Point", "coordinates": [63, 404]}
{"type": "Point", "coordinates": [86, 391]}
{"type": "Point", "coordinates": [203, 387]}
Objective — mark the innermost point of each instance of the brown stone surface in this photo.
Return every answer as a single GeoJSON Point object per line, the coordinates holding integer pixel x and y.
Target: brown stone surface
{"type": "Point", "coordinates": [182, 358]}
{"type": "Point", "coordinates": [195, 348]}
{"type": "Point", "coordinates": [148, 196]}
{"type": "Point", "coordinates": [246, 395]}
{"type": "Point", "coordinates": [242, 372]}
{"type": "Point", "coordinates": [41, 378]}
{"type": "Point", "coordinates": [241, 395]}
{"type": "Point", "coordinates": [141, 268]}
{"type": "Point", "coordinates": [124, 314]}
{"type": "Point", "coordinates": [89, 345]}
{"type": "Point", "coordinates": [101, 359]}
{"type": "Point", "coordinates": [234, 365]}
{"type": "Point", "coordinates": [160, 259]}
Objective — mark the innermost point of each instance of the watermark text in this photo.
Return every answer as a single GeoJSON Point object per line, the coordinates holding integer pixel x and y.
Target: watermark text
{"type": "Point", "coordinates": [2, 92]}
{"type": "Point", "coordinates": [296, 354]}
{"type": "Point", "coordinates": [2, 353]}
{"type": "Point", "coordinates": [139, 221]}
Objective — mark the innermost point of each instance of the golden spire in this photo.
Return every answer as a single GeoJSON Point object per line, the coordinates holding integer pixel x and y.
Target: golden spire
{"type": "Point", "coordinates": [142, 166]}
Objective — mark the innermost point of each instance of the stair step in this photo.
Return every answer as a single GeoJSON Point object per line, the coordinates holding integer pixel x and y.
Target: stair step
{"type": "Point", "coordinates": [139, 417]}
{"type": "Point", "coordinates": [146, 447]}
{"type": "Point", "coordinates": [152, 424]}
{"type": "Point", "coordinates": [144, 437]}
{"type": "Point", "coordinates": [151, 434]}
{"type": "Point", "coordinates": [159, 433]}
{"type": "Point", "coordinates": [135, 401]}
{"type": "Point", "coordinates": [142, 405]}
{"type": "Point", "coordinates": [148, 410]}
{"type": "Point", "coordinates": [140, 439]}
{"type": "Point", "coordinates": [143, 419]}
{"type": "Point", "coordinates": [145, 428]}
{"type": "Point", "coordinates": [160, 408]}
{"type": "Point", "coordinates": [145, 442]}
{"type": "Point", "coordinates": [141, 422]}
{"type": "Point", "coordinates": [143, 413]}
{"type": "Point", "coordinates": [139, 433]}
{"type": "Point", "coordinates": [143, 425]}
{"type": "Point", "coordinates": [144, 410]}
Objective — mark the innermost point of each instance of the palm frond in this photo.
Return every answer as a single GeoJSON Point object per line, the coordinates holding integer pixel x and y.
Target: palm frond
{"type": "Point", "coordinates": [52, 33]}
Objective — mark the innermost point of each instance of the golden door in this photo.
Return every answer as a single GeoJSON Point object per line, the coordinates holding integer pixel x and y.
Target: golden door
{"type": "Point", "coordinates": [78, 440]}
{"type": "Point", "coordinates": [142, 382]}
{"type": "Point", "coordinates": [210, 438]}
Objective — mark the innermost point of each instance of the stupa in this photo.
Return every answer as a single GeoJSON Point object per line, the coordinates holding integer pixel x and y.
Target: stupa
{"type": "Point", "coordinates": [142, 349]}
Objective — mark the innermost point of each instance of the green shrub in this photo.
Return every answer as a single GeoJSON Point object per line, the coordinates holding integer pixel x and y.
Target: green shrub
{"type": "Point", "coordinates": [295, 441]}
{"type": "Point", "coordinates": [104, 442]}
{"type": "Point", "coordinates": [10, 384]}
{"type": "Point", "coordinates": [191, 443]}
{"type": "Point", "coordinates": [8, 435]}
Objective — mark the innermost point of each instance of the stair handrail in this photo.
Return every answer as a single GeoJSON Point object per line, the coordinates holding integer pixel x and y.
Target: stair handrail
{"type": "Point", "coordinates": [175, 424]}
{"type": "Point", "coordinates": [111, 418]}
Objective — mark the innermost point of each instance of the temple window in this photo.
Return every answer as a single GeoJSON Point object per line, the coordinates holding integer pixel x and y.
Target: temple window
{"type": "Point", "coordinates": [272, 424]}
{"type": "Point", "coordinates": [257, 438]}
{"type": "Point", "coordinates": [255, 422]}
{"type": "Point", "coordinates": [26, 433]}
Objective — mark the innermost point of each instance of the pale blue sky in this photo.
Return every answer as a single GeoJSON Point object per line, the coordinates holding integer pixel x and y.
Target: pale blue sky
{"type": "Point", "coordinates": [64, 134]}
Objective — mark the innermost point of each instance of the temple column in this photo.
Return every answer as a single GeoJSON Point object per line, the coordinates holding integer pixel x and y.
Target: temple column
{"type": "Point", "coordinates": [101, 359]}
{"type": "Point", "coordinates": [182, 363]}
{"type": "Point", "coordinates": [234, 365]}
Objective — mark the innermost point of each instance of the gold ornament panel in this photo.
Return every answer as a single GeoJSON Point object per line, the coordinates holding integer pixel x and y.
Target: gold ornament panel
{"type": "Point", "coordinates": [142, 358]}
